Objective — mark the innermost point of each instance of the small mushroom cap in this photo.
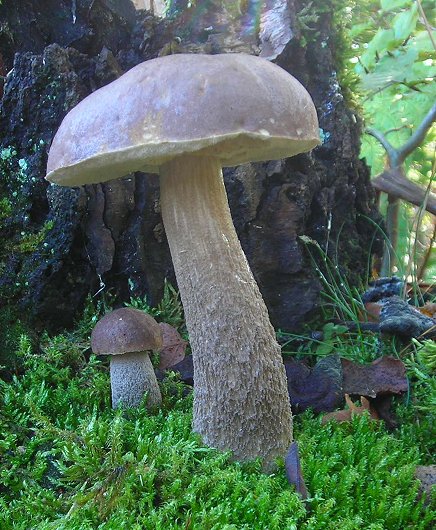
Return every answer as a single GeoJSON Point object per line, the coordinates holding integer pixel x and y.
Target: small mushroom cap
{"type": "Point", "coordinates": [239, 108]}
{"type": "Point", "coordinates": [126, 330]}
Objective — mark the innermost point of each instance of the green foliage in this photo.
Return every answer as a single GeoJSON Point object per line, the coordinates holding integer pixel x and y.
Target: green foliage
{"type": "Point", "coordinates": [92, 311]}
{"type": "Point", "coordinates": [360, 463]}
{"type": "Point", "coordinates": [421, 365]}
{"type": "Point", "coordinates": [343, 300]}
{"type": "Point", "coordinates": [416, 412]}
{"type": "Point", "coordinates": [169, 309]}
{"type": "Point", "coordinates": [68, 461]}
{"type": "Point", "coordinates": [6, 208]}
{"type": "Point", "coordinates": [331, 333]}
{"type": "Point", "coordinates": [426, 353]}
{"type": "Point", "coordinates": [11, 330]}
{"type": "Point", "coordinates": [397, 73]}
{"type": "Point", "coordinates": [393, 56]}
{"type": "Point", "coordinates": [359, 347]}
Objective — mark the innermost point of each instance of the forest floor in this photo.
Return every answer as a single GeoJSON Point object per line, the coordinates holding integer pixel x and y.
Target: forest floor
{"type": "Point", "coordinates": [69, 461]}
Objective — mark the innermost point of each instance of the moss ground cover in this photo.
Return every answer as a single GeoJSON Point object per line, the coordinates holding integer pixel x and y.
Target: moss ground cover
{"type": "Point", "coordinates": [69, 461]}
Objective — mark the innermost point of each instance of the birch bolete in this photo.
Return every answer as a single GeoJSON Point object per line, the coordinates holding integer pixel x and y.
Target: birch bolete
{"type": "Point", "coordinates": [185, 117]}
{"type": "Point", "coordinates": [129, 335]}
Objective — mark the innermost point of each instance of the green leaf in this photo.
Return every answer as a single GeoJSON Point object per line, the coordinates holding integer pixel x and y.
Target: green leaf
{"type": "Point", "coordinates": [358, 29]}
{"type": "Point", "coordinates": [324, 349]}
{"type": "Point", "coordinates": [383, 40]}
{"type": "Point", "coordinates": [390, 5]}
{"type": "Point", "coordinates": [405, 22]}
{"type": "Point", "coordinates": [423, 43]}
{"type": "Point", "coordinates": [396, 67]}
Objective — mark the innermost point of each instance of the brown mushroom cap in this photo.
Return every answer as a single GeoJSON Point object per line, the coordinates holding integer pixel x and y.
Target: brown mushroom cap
{"type": "Point", "coordinates": [126, 330]}
{"type": "Point", "coordinates": [239, 108]}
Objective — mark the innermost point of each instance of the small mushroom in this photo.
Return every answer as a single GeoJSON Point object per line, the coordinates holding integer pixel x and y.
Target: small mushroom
{"type": "Point", "coordinates": [185, 117]}
{"type": "Point", "coordinates": [128, 335]}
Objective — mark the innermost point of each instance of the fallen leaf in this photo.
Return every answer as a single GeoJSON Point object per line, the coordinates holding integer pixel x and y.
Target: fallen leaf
{"type": "Point", "coordinates": [319, 389]}
{"type": "Point", "coordinates": [173, 349]}
{"type": "Point", "coordinates": [352, 410]}
{"type": "Point", "coordinates": [372, 310]}
{"type": "Point", "coordinates": [293, 470]}
{"type": "Point", "coordinates": [384, 376]}
{"type": "Point", "coordinates": [382, 405]}
{"type": "Point", "coordinates": [429, 309]}
{"type": "Point", "coordinates": [185, 369]}
{"type": "Point", "coordinates": [427, 477]}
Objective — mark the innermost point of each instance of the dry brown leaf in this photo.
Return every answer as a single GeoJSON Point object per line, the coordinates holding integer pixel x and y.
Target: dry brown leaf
{"type": "Point", "coordinates": [352, 410]}
{"type": "Point", "coordinates": [293, 470]}
{"type": "Point", "coordinates": [372, 310]}
{"type": "Point", "coordinates": [173, 349]}
{"type": "Point", "coordinates": [429, 309]}
{"type": "Point", "coordinates": [384, 376]}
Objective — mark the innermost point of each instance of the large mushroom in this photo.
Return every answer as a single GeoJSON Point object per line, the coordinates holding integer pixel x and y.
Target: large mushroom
{"type": "Point", "coordinates": [185, 117]}
{"type": "Point", "coordinates": [129, 335]}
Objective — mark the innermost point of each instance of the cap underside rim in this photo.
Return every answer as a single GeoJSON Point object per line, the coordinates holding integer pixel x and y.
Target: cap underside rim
{"type": "Point", "coordinates": [149, 157]}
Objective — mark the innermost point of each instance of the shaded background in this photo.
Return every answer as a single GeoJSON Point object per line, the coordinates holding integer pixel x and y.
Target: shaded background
{"type": "Point", "coordinates": [59, 245]}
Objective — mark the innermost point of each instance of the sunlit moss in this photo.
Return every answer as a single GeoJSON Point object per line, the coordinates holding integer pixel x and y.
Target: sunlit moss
{"type": "Point", "coordinates": [71, 462]}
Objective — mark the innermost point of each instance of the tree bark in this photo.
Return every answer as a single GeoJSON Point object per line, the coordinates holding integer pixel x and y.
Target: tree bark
{"type": "Point", "coordinates": [112, 235]}
{"type": "Point", "coordinates": [389, 260]}
{"type": "Point", "coordinates": [394, 183]}
{"type": "Point", "coordinates": [241, 401]}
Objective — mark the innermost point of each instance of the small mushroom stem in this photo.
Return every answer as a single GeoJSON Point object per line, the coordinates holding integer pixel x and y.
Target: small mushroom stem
{"type": "Point", "coordinates": [241, 399]}
{"type": "Point", "coordinates": [132, 375]}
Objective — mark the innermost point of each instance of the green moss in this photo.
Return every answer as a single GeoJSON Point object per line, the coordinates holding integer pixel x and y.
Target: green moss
{"type": "Point", "coordinates": [169, 309]}
{"type": "Point", "coordinates": [22, 244]}
{"type": "Point", "coordinates": [30, 242]}
{"type": "Point", "coordinates": [6, 208]}
{"type": "Point", "coordinates": [12, 168]}
{"type": "Point", "coordinates": [19, 237]}
{"type": "Point", "coordinates": [70, 462]}
{"type": "Point", "coordinates": [11, 330]}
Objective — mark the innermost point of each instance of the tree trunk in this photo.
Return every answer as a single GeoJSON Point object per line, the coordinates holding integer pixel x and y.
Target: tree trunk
{"type": "Point", "coordinates": [60, 245]}
{"type": "Point", "coordinates": [241, 399]}
{"type": "Point", "coordinates": [389, 260]}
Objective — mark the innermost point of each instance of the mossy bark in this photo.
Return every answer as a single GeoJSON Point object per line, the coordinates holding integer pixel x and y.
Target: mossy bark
{"type": "Point", "coordinates": [241, 401]}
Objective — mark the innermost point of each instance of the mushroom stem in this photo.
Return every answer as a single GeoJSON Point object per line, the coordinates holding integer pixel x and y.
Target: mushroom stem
{"type": "Point", "coordinates": [132, 375]}
{"type": "Point", "coordinates": [241, 399]}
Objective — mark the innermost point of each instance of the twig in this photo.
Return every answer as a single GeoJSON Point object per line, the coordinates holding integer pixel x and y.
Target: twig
{"type": "Point", "coordinates": [394, 183]}
{"type": "Point", "coordinates": [389, 148]}
{"type": "Point", "coordinates": [396, 129]}
{"type": "Point", "coordinates": [418, 136]}
{"type": "Point", "coordinates": [396, 156]}
{"type": "Point", "coordinates": [426, 23]}
{"type": "Point", "coordinates": [428, 253]}
{"type": "Point", "coordinates": [394, 82]}
{"type": "Point", "coordinates": [384, 87]}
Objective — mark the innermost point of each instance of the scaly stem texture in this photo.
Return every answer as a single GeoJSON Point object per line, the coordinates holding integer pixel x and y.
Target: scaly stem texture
{"type": "Point", "coordinates": [132, 375]}
{"type": "Point", "coordinates": [241, 399]}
